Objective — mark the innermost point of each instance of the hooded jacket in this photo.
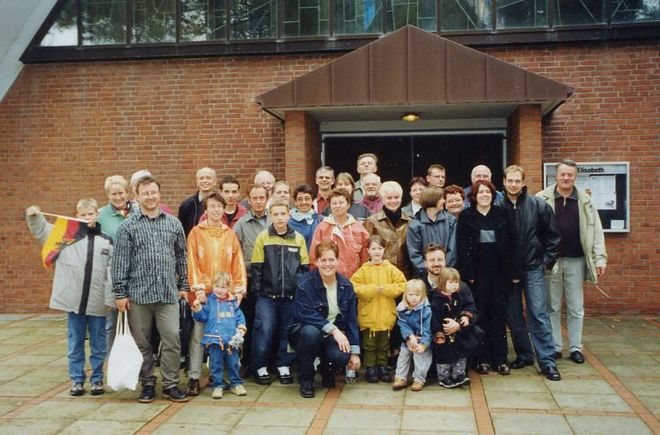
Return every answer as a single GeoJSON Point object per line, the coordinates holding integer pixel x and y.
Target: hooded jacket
{"type": "Point", "coordinates": [463, 342]}
{"type": "Point", "coordinates": [592, 238]}
{"type": "Point", "coordinates": [351, 239]}
{"type": "Point", "coordinates": [376, 310]}
{"type": "Point", "coordinates": [82, 283]}
{"type": "Point", "coordinates": [212, 250]}
{"type": "Point", "coordinates": [222, 318]}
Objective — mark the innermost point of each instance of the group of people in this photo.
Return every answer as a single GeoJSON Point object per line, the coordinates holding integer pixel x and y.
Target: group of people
{"type": "Point", "coordinates": [330, 277]}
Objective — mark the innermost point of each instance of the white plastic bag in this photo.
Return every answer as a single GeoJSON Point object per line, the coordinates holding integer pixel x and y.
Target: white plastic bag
{"type": "Point", "coordinates": [125, 358]}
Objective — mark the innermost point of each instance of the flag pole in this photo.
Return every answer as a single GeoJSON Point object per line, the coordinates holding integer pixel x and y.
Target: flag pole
{"type": "Point", "coordinates": [65, 217]}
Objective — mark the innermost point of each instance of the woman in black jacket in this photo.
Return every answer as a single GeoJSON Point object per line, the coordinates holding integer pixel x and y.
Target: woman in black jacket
{"type": "Point", "coordinates": [485, 236]}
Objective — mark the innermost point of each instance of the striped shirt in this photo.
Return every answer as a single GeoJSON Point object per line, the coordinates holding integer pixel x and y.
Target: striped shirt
{"type": "Point", "coordinates": [149, 263]}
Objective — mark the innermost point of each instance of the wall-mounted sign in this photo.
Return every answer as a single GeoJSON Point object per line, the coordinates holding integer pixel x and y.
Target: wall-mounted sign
{"type": "Point", "coordinates": [608, 183]}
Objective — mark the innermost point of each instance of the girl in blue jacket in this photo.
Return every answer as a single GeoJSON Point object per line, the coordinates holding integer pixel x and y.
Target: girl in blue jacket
{"type": "Point", "coordinates": [414, 320]}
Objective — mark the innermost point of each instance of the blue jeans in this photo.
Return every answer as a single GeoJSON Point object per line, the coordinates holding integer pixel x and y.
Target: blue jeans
{"type": "Point", "coordinates": [77, 330]}
{"type": "Point", "coordinates": [538, 321]}
{"type": "Point", "coordinates": [310, 343]}
{"type": "Point", "coordinates": [218, 358]}
{"type": "Point", "coordinates": [272, 320]}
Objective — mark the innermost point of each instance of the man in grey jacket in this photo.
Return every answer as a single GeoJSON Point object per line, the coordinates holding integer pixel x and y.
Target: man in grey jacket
{"type": "Point", "coordinates": [581, 251]}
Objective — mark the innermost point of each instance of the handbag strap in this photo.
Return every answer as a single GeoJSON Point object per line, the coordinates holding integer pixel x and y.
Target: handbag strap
{"type": "Point", "coordinates": [123, 327]}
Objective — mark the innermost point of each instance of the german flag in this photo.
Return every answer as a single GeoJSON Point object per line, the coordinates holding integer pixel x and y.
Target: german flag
{"type": "Point", "coordinates": [65, 232]}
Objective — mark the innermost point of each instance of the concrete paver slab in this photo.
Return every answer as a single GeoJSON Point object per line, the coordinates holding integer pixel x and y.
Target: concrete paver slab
{"type": "Point", "coordinates": [71, 410]}
{"type": "Point", "coordinates": [603, 425]}
{"type": "Point", "coordinates": [297, 417]}
{"type": "Point", "coordinates": [579, 386]}
{"type": "Point", "coordinates": [444, 421]}
{"type": "Point", "coordinates": [129, 411]}
{"type": "Point", "coordinates": [205, 414]}
{"type": "Point", "coordinates": [33, 426]}
{"type": "Point", "coordinates": [515, 383]}
{"type": "Point", "coordinates": [523, 399]}
{"type": "Point", "coordinates": [359, 419]}
{"type": "Point", "coordinates": [541, 424]}
{"type": "Point", "coordinates": [435, 395]}
{"type": "Point", "coordinates": [592, 402]}
{"type": "Point", "coordinates": [102, 427]}
{"type": "Point", "coordinates": [370, 394]}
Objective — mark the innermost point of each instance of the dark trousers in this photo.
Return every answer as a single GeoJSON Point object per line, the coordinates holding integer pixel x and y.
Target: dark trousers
{"type": "Point", "coordinates": [490, 294]}
{"type": "Point", "coordinates": [311, 342]}
{"type": "Point", "coordinates": [272, 320]}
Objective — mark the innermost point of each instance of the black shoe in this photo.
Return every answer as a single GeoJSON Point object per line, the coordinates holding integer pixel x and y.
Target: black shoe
{"type": "Point", "coordinates": [307, 391]}
{"type": "Point", "coordinates": [384, 374]}
{"type": "Point", "coordinates": [328, 380]}
{"type": "Point", "coordinates": [286, 379]}
{"type": "Point", "coordinates": [175, 395]}
{"type": "Point", "coordinates": [262, 379]}
{"type": "Point", "coordinates": [551, 373]}
{"type": "Point", "coordinates": [77, 389]}
{"type": "Point", "coordinates": [193, 387]}
{"type": "Point", "coordinates": [503, 370]}
{"type": "Point", "coordinates": [148, 394]}
{"type": "Point", "coordinates": [558, 356]}
{"type": "Point", "coordinates": [519, 364]}
{"type": "Point", "coordinates": [483, 368]}
{"type": "Point", "coordinates": [577, 357]}
{"type": "Point", "coordinates": [372, 375]}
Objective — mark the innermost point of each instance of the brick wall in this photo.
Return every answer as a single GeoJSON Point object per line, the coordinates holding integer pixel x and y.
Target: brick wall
{"type": "Point", "coordinates": [65, 127]}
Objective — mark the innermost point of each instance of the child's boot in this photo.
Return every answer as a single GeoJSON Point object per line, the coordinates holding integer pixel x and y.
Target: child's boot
{"type": "Point", "coordinates": [372, 375]}
{"type": "Point", "coordinates": [384, 374]}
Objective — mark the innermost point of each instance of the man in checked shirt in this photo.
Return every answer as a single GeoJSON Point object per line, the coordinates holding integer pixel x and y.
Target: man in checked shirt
{"type": "Point", "coordinates": [149, 275]}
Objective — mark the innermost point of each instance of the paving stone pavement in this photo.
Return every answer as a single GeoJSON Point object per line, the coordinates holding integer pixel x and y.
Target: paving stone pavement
{"type": "Point", "coordinates": [615, 392]}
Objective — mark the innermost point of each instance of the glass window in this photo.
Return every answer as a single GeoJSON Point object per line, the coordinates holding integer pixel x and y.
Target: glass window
{"type": "Point", "coordinates": [465, 14]}
{"type": "Point", "coordinates": [634, 11]}
{"type": "Point", "coordinates": [154, 21]}
{"type": "Point", "coordinates": [305, 18]}
{"type": "Point", "coordinates": [203, 20]}
{"type": "Point", "coordinates": [64, 30]}
{"type": "Point", "coordinates": [253, 19]}
{"type": "Point", "coordinates": [353, 17]}
{"type": "Point", "coordinates": [103, 22]}
{"type": "Point", "coordinates": [420, 13]}
{"type": "Point", "coordinates": [522, 13]}
{"type": "Point", "coordinates": [579, 12]}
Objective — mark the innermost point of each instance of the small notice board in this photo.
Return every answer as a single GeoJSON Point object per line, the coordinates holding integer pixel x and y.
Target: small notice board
{"type": "Point", "coordinates": [609, 186]}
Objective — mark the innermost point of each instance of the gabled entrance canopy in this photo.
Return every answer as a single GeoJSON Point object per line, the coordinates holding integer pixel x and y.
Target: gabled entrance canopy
{"type": "Point", "coordinates": [414, 70]}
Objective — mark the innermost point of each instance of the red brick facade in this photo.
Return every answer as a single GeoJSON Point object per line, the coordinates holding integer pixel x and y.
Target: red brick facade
{"type": "Point", "coordinates": [65, 127]}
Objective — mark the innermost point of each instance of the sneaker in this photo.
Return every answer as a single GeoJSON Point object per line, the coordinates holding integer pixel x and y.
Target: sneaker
{"type": "Point", "coordinates": [96, 388]}
{"type": "Point", "coordinates": [447, 383]}
{"type": "Point", "coordinates": [238, 390]}
{"type": "Point", "coordinates": [262, 377]}
{"type": "Point", "coordinates": [461, 380]}
{"type": "Point", "coordinates": [417, 386]}
{"type": "Point", "coordinates": [148, 394]}
{"type": "Point", "coordinates": [77, 389]}
{"type": "Point", "coordinates": [217, 393]}
{"type": "Point", "coordinates": [175, 395]}
{"type": "Point", "coordinates": [399, 384]}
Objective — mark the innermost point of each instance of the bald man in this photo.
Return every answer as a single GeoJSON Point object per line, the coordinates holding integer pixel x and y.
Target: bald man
{"type": "Point", "coordinates": [481, 172]}
{"type": "Point", "coordinates": [192, 209]}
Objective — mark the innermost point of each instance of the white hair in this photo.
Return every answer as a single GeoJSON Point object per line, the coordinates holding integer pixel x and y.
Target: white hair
{"type": "Point", "coordinates": [137, 175]}
{"type": "Point", "coordinates": [390, 186]}
{"type": "Point", "coordinates": [115, 180]}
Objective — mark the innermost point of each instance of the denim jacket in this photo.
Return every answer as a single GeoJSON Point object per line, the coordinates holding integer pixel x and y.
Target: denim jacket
{"type": "Point", "coordinates": [415, 321]}
{"type": "Point", "coordinates": [311, 307]}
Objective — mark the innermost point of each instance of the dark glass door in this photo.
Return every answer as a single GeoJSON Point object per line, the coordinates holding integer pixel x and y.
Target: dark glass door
{"type": "Point", "coordinates": [403, 156]}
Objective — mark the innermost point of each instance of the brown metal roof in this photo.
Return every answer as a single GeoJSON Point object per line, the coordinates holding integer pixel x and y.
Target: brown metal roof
{"type": "Point", "coordinates": [414, 67]}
